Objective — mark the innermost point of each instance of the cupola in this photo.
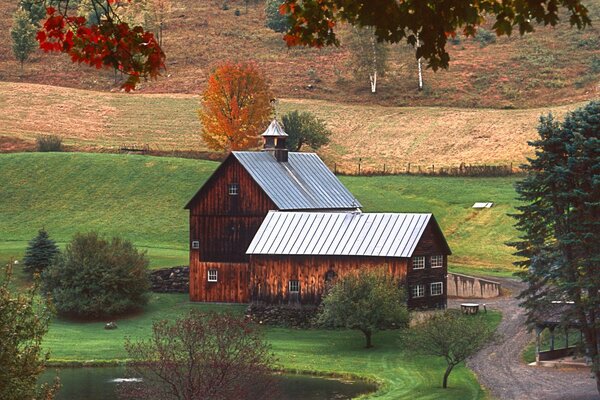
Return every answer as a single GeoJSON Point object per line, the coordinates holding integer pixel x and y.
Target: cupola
{"type": "Point", "coordinates": [275, 138]}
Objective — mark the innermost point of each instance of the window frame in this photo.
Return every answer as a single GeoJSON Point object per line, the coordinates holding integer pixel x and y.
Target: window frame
{"type": "Point", "coordinates": [414, 291]}
{"type": "Point", "coordinates": [441, 286]}
{"type": "Point", "coordinates": [297, 282]}
{"type": "Point", "coordinates": [195, 244]}
{"type": "Point", "coordinates": [214, 278]}
{"type": "Point", "coordinates": [233, 189]}
{"type": "Point", "coordinates": [441, 258]}
{"type": "Point", "coordinates": [414, 264]}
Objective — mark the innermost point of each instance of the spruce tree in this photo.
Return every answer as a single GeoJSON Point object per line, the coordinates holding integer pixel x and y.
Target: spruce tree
{"type": "Point", "coordinates": [36, 10]}
{"type": "Point", "coordinates": [40, 253]}
{"type": "Point", "coordinates": [560, 222]}
{"type": "Point", "coordinates": [23, 36]}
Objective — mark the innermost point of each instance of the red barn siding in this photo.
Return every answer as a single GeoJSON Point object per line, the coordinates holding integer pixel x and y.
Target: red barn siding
{"type": "Point", "coordinates": [231, 286]}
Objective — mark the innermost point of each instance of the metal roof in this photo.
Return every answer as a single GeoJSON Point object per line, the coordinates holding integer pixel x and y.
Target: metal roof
{"type": "Point", "coordinates": [275, 130]}
{"type": "Point", "coordinates": [302, 183]}
{"type": "Point", "coordinates": [339, 234]}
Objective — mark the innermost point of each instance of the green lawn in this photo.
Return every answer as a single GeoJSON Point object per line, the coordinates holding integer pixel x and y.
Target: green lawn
{"type": "Point", "coordinates": [401, 374]}
{"type": "Point", "coordinates": [142, 199]}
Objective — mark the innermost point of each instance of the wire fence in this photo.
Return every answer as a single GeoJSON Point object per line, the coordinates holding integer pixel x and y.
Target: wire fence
{"type": "Point", "coordinates": [463, 169]}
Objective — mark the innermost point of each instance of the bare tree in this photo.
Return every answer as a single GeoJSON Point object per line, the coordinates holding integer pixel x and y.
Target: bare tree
{"type": "Point", "coordinates": [204, 356]}
{"type": "Point", "coordinates": [369, 56]}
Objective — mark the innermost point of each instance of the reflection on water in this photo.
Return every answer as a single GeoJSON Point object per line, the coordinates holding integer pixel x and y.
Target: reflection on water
{"type": "Point", "coordinates": [101, 384]}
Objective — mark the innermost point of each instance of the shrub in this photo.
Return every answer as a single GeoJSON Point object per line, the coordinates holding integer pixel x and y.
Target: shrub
{"type": "Point", "coordinates": [595, 64]}
{"type": "Point", "coordinates": [304, 128]}
{"type": "Point", "coordinates": [96, 277]}
{"type": "Point", "coordinates": [47, 143]}
{"type": "Point", "coordinates": [40, 253]}
{"type": "Point", "coordinates": [485, 37]}
{"type": "Point", "coordinates": [275, 20]}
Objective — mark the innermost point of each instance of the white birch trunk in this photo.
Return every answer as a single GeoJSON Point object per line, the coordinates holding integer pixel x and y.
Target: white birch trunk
{"type": "Point", "coordinates": [373, 76]}
{"type": "Point", "coordinates": [373, 79]}
{"type": "Point", "coordinates": [419, 66]}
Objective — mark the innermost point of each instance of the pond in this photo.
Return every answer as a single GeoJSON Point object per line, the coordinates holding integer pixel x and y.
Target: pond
{"type": "Point", "coordinates": [101, 384]}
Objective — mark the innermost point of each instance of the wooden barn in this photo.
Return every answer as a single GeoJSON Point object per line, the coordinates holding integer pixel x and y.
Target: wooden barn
{"type": "Point", "coordinates": [275, 226]}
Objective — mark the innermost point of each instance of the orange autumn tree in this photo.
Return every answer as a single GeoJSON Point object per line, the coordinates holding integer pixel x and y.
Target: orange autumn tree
{"type": "Point", "coordinates": [235, 107]}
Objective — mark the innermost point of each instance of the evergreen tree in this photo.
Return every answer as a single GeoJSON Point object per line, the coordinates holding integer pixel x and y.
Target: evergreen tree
{"type": "Point", "coordinates": [560, 222]}
{"type": "Point", "coordinates": [36, 10]}
{"type": "Point", "coordinates": [303, 128]}
{"type": "Point", "coordinates": [275, 20]}
{"type": "Point", "coordinates": [23, 36]}
{"type": "Point", "coordinates": [40, 253]}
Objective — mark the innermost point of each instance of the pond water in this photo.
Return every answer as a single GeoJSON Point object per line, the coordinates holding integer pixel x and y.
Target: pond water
{"type": "Point", "coordinates": [101, 384]}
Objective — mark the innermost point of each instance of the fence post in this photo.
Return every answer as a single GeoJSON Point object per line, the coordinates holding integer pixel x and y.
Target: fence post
{"type": "Point", "coordinates": [335, 168]}
{"type": "Point", "coordinates": [408, 169]}
{"type": "Point", "coordinates": [433, 168]}
{"type": "Point", "coordinates": [383, 169]}
{"type": "Point", "coordinates": [359, 161]}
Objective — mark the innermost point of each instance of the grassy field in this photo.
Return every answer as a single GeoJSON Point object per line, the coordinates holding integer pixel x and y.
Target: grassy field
{"type": "Point", "coordinates": [200, 34]}
{"type": "Point", "coordinates": [394, 136]}
{"type": "Point", "coordinates": [401, 374]}
{"type": "Point", "coordinates": [142, 199]}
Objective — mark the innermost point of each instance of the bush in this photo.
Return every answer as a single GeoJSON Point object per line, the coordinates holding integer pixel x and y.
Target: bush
{"type": "Point", "coordinates": [47, 143]}
{"type": "Point", "coordinates": [95, 277]}
{"type": "Point", "coordinates": [595, 64]}
{"type": "Point", "coordinates": [40, 253]}
{"type": "Point", "coordinates": [485, 37]}
{"type": "Point", "coordinates": [276, 21]}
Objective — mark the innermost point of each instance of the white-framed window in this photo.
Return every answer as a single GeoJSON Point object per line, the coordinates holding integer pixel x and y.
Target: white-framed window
{"type": "Point", "coordinates": [212, 275]}
{"type": "Point", "coordinates": [437, 288]}
{"type": "Point", "coordinates": [195, 244]}
{"type": "Point", "coordinates": [437, 261]}
{"type": "Point", "coordinates": [233, 189]}
{"type": "Point", "coordinates": [418, 291]}
{"type": "Point", "coordinates": [418, 262]}
{"type": "Point", "coordinates": [294, 286]}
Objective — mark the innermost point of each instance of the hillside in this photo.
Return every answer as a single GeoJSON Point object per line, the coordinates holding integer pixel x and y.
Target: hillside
{"type": "Point", "coordinates": [200, 34]}
{"type": "Point", "coordinates": [395, 136]}
{"type": "Point", "coordinates": [142, 199]}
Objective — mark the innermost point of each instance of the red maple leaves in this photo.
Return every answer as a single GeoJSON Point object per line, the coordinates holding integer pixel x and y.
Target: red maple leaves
{"type": "Point", "coordinates": [108, 44]}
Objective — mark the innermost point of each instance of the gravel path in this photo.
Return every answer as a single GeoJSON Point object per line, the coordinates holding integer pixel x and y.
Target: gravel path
{"type": "Point", "coordinates": [500, 368]}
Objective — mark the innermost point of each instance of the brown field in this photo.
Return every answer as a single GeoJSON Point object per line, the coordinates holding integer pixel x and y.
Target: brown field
{"type": "Point", "coordinates": [550, 66]}
{"type": "Point", "coordinates": [395, 136]}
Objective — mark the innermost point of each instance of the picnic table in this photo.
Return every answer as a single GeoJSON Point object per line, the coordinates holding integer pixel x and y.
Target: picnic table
{"type": "Point", "coordinates": [469, 308]}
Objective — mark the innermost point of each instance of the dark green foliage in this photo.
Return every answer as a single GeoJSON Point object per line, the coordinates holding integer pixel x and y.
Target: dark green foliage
{"type": "Point", "coordinates": [36, 9]}
{"type": "Point", "coordinates": [96, 277]}
{"type": "Point", "coordinates": [275, 20]}
{"type": "Point", "coordinates": [23, 36]}
{"type": "Point", "coordinates": [485, 37]}
{"type": "Point", "coordinates": [451, 335]}
{"type": "Point", "coordinates": [40, 253]}
{"type": "Point", "coordinates": [595, 64]}
{"type": "Point", "coordinates": [560, 222]}
{"type": "Point", "coordinates": [368, 301]}
{"type": "Point", "coordinates": [47, 143]}
{"type": "Point", "coordinates": [304, 128]}
{"type": "Point", "coordinates": [23, 324]}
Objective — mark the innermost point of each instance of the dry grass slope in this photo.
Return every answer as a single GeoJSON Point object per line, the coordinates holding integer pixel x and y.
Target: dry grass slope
{"type": "Point", "coordinates": [199, 34]}
{"type": "Point", "coordinates": [444, 136]}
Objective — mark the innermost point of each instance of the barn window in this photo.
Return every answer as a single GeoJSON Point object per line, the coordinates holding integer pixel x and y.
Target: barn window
{"type": "Point", "coordinates": [234, 189]}
{"type": "Point", "coordinates": [437, 288]}
{"type": "Point", "coordinates": [195, 244]}
{"type": "Point", "coordinates": [294, 286]}
{"type": "Point", "coordinates": [418, 262]}
{"type": "Point", "coordinates": [437, 261]}
{"type": "Point", "coordinates": [418, 291]}
{"type": "Point", "coordinates": [212, 275]}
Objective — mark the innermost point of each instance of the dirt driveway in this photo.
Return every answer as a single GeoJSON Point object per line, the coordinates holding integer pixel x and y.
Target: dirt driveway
{"type": "Point", "coordinates": [500, 368]}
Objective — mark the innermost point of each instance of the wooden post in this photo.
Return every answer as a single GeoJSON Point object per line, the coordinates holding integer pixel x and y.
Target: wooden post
{"type": "Point", "coordinates": [552, 338]}
{"type": "Point", "coordinates": [383, 169]}
{"type": "Point", "coordinates": [408, 169]}
{"type": "Point", "coordinates": [359, 160]}
{"type": "Point", "coordinates": [335, 168]}
{"type": "Point", "coordinates": [538, 332]}
{"type": "Point", "coordinates": [433, 168]}
{"type": "Point", "coordinates": [567, 338]}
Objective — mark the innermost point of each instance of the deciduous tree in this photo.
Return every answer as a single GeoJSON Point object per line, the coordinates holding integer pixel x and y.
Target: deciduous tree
{"type": "Point", "coordinates": [40, 253]}
{"type": "Point", "coordinates": [235, 107]}
{"type": "Point", "coordinates": [201, 357]}
{"type": "Point", "coordinates": [23, 324]}
{"type": "Point", "coordinates": [313, 22]}
{"type": "Point", "coordinates": [23, 36]}
{"type": "Point", "coordinates": [368, 55]}
{"type": "Point", "coordinates": [304, 128]}
{"type": "Point", "coordinates": [451, 335]}
{"type": "Point", "coordinates": [560, 222]}
{"type": "Point", "coordinates": [367, 301]}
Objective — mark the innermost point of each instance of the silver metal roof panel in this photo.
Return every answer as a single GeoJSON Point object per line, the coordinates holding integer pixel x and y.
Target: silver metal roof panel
{"type": "Point", "coordinates": [342, 234]}
{"type": "Point", "coordinates": [302, 183]}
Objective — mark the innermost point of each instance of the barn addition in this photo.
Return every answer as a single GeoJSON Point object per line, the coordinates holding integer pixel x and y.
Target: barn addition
{"type": "Point", "coordinates": [275, 226]}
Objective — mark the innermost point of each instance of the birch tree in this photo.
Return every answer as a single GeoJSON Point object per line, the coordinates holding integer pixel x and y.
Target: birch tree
{"type": "Point", "coordinates": [369, 56]}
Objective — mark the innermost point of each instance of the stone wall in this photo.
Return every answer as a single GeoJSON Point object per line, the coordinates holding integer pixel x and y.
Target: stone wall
{"type": "Point", "coordinates": [465, 286]}
{"type": "Point", "coordinates": [282, 315]}
{"type": "Point", "coordinates": [170, 280]}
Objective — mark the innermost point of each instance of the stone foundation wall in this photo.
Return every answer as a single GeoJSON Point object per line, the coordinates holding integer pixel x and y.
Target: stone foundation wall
{"type": "Point", "coordinates": [465, 286]}
{"type": "Point", "coordinates": [282, 315]}
{"type": "Point", "coordinates": [170, 280]}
